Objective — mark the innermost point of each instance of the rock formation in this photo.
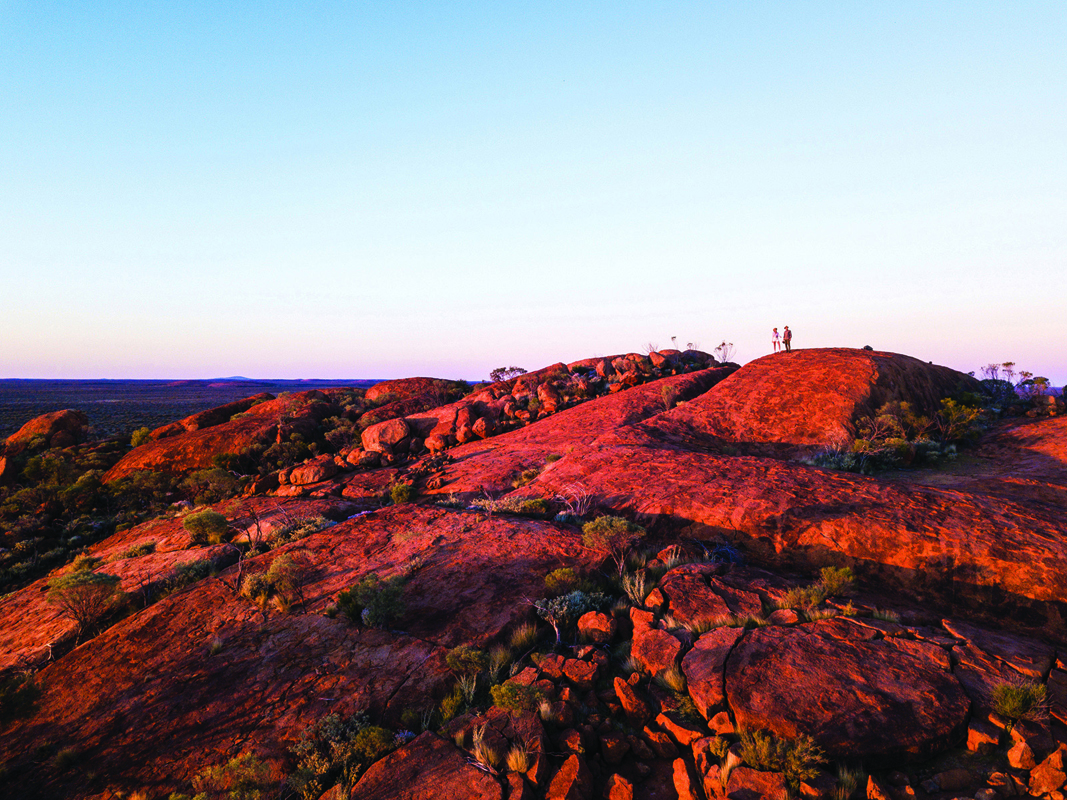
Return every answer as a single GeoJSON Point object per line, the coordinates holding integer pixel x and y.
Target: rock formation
{"type": "Point", "coordinates": [722, 629]}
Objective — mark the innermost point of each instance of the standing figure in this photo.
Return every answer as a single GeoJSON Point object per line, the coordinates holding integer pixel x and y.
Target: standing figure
{"type": "Point", "coordinates": [787, 337]}
{"type": "Point", "coordinates": [776, 343]}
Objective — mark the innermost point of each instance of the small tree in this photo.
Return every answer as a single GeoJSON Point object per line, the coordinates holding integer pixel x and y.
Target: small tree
{"type": "Point", "coordinates": [725, 351]}
{"type": "Point", "coordinates": [612, 536]}
{"type": "Point", "coordinates": [505, 373]}
{"type": "Point", "coordinates": [206, 527]}
{"type": "Point", "coordinates": [85, 597]}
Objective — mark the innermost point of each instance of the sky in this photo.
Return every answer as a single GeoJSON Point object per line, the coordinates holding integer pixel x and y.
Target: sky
{"type": "Point", "coordinates": [375, 190]}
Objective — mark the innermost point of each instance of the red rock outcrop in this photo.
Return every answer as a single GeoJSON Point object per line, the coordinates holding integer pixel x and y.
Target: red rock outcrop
{"type": "Point", "coordinates": [211, 417]}
{"type": "Point", "coordinates": [56, 429]}
{"type": "Point", "coordinates": [810, 398]}
{"type": "Point", "coordinates": [263, 423]}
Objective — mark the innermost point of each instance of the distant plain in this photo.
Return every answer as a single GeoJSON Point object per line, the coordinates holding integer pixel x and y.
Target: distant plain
{"type": "Point", "coordinates": [118, 407]}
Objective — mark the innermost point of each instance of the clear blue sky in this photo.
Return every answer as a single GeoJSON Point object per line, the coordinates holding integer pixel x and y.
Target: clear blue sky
{"type": "Point", "coordinates": [377, 190]}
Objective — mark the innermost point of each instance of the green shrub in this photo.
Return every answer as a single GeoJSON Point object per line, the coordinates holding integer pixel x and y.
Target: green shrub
{"type": "Point", "coordinates": [206, 527]}
{"type": "Point", "coordinates": [287, 577]}
{"type": "Point", "coordinates": [466, 660]}
{"type": "Point", "coordinates": [210, 485]}
{"type": "Point", "coordinates": [85, 597]}
{"type": "Point", "coordinates": [85, 563]}
{"type": "Point", "coordinates": [242, 778]}
{"type": "Point", "coordinates": [517, 698]}
{"type": "Point", "coordinates": [402, 493]}
{"type": "Point", "coordinates": [372, 743]}
{"type": "Point", "coordinates": [452, 704]}
{"type": "Point", "coordinates": [191, 572]}
{"type": "Point", "coordinates": [140, 436]}
{"type": "Point", "coordinates": [561, 581]}
{"type": "Point", "coordinates": [611, 536]}
{"type": "Point", "coordinates": [135, 551]}
{"type": "Point", "coordinates": [335, 751]}
{"type": "Point", "coordinates": [512, 505]}
{"type": "Point", "coordinates": [1018, 700]}
{"type": "Point", "coordinates": [525, 477]}
{"type": "Point", "coordinates": [797, 759]}
{"type": "Point", "coordinates": [372, 601]}
{"type": "Point", "coordinates": [297, 529]}
{"type": "Point", "coordinates": [804, 597]}
{"type": "Point", "coordinates": [836, 581]}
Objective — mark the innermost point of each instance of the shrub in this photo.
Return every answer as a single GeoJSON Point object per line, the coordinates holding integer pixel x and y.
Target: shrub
{"type": "Point", "coordinates": [636, 587]}
{"type": "Point", "coordinates": [611, 536]}
{"type": "Point", "coordinates": [512, 505]}
{"type": "Point", "coordinates": [804, 597]}
{"type": "Point", "coordinates": [85, 563]}
{"type": "Point", "coordinates": [797, 759]}
{"type": "Point", "coordinates": [287, 576]}
{"type": "Point", "coordinates": [516, 698]}
{"type": "Point", "coordinates": [525, 477]}
{"type": "Point", "coordinates": [451, 704]}
{"type": "Point", "coordinates": [297, 529]}
{"type": "Point", "coordinates": [327, 755]}
{"type": "Point", "coordinates": [561, 581]}
{"type": "Point", "coordinates": [242, 778]}
{"type": "Point", "coordinates": [836, 580]}
{"type": "Point", "coordinates": [210, 485]}
{"type": "Point", "coordinates": [505, 373]}
{"type": "Point", "coordinates": [519, 758]}
{"type": "Point", "coordinates": [372, 601]}
{"type": "Point", "coordinates": [206, 527]}
{"type": "Point", "coordinates": [1018, 700]}
{"type": "Point", "coordinates": [85, 597]}
{"type": "Point", "coordinates": [140, 436]}
{"type": "Point", "coordinates": [465, 660]}
{"type": "Point", "coordinates": [402, 493]}
{"type": "Point", "coordinates": [135, 551]}
{"type": "Point", "coordinates": [523, 637]}
{"type": "Point", "coordinates": [191, 572]}
{"type": "Point", "coordinates": [563, 612]}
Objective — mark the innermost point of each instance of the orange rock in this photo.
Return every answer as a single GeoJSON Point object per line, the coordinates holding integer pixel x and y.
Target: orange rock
{"type": "Point", "coordinates": [618, 788]}
{"type": "Point", "coordinates": [655, 650]}
{"type": "Point", "coordinates": [633, 705]}
{"type": "Point", "coordinates": [686, 781]}
{"type": "Point", "coordinates": [703, 668]}
{"type": "Point", "coordinates": [572, 782]}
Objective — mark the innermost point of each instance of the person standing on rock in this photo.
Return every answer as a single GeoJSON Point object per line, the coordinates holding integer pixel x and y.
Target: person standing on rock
{"type": "Point", "coordinates": [787, 338]}
{"type": "Point", "coordinates": [776, 343]}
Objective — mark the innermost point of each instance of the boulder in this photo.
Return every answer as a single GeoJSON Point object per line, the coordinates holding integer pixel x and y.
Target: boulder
{"type": "Point", "coordinates": [313, 471]}
{"type": "Point", "coordinates": [858, 699]}
{"type": "Point", "coordinates": [384, 436]}
{"type": "Point", "coordinates": [633, 705]}
{"type": "Point", "coordinates": [425, 768]}
{"type": "Point", "coordinates": [1050, 774]}
{"type": "Point", "coordinates": [55, 429]}
{"type": "Point", "coordinates": [703, 668]}
{"type": "Point", "coordinates": [686, 781]}
{"type": "Point", "coordinates": [595, 626]}
{"type": "Point", "coordinates": [655, 650]}
{"type": "Point", "coordinates": [574, 781]}
{"type": "Point", "coordinates": [618, 788]}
